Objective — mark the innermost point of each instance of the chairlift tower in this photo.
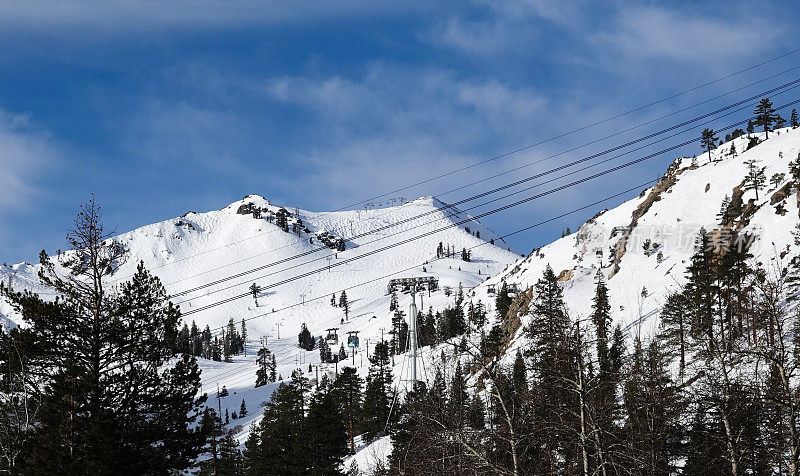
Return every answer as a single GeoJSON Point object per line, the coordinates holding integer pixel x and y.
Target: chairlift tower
{"type": "Point", "coordinates": [412, 317]}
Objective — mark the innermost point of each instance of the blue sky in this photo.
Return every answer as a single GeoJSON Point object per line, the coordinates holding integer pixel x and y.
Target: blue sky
{"type": "Point", "coordinates": [164, 107]}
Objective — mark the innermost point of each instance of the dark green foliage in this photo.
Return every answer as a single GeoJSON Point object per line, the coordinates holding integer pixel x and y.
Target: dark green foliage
{"type": "Point", "coordinates": [378, 394]}
{"type": "Point", "coordinates": [765, 115]}
{"type": "Point", "coordinates": [304, 339]}
{"type": "Point", "coordinates": [115, 394]}
{"type": "Point", "coordinates": [708, 140]}
{"type": "Point", "coordinates": [349, 387]}
{"type": "Point", "coordinates": [282, 219]}
{"type": "Point", "coordinates": [265, 360]}
{"type": "Point", "coordinates": [502, 301]}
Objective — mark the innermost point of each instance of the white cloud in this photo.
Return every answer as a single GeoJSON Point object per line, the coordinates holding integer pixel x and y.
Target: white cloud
{"type": "Point", "coordinates": [399, 100]}
{"type": "Point", "coordinates": [402, 122]}
{"type": "Point", "coordinates": [648, 32]}
{"type": "Point", "coordinates": [25, 154]}
{"type": "Point", "coordinates": [508, 27]}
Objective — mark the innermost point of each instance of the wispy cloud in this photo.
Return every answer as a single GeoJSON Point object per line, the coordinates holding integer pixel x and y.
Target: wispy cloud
{"type": "Point", "coordinates": [26, 153]}
{"type": "Point", "coordinates": [652, 32]}
{"type": "Point", "coordinates": [401, 122]}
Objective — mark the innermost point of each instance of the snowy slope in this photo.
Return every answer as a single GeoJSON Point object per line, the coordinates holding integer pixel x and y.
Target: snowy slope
{"type": "Point", "coordinates": [200, 248]}
{"type": "Point", "coordinates": [669, 215]}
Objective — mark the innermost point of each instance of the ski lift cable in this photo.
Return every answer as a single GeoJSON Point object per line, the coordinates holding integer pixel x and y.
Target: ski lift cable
{"type": "Point", "coordinates": [790, 85]}
{"type": "Point", "coordinates": [510, 153]}
{"type": "Point", "coordinates": [481, 215]}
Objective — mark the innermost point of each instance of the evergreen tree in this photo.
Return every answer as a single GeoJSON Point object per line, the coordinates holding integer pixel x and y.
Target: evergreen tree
{"type": "Point", "coordinates": [305, 339]}
{"type": "Point", "coordinates": [243, 409]}
{"type": "Point", "coordinates": [116, 394]}
{"type": "Point", "coordinates": [266, 370]}
{"type": "Point", "coordinates": [765, 115]}
{"type": "Point", "coordinates": [708, 141]}
{"type": "Point", "coordinates": [755, 178]}
{"type": "Point", "coordinates": [609, 359]}
{"type": "Point", "coordinates": [553, 364]}
{"type": "Point", "coordinates": [324, 351]}
{"type": "Point", "coordinates": [196, 344]}
{"type": "Point", "coordinates": [348, 384]}
{"type": "Point", "coordinates": [326, 431]}
{"type": "Point", "coordinates": [282, 219]}
{"type": "Point", "coordinates": [281, 446]}
{"type": "Point", "coordinates": [793, 121]}
{"type": "Point", "coordinates": [502, 301]}
{"type": "Point", "coordinates": [243, 336]}
{"type": "Point", "coordinates": [675, 326]}
{"type": "Point", "coordinates": [344, 304]}
{"type": "Point", "coordinates": [653, 406]}
{"type": "Point", "coordinates": [378, 393]}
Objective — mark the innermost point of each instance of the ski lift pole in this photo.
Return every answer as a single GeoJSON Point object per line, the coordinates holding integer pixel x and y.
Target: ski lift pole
{"type": "Point", "coordinates": [412, 314]}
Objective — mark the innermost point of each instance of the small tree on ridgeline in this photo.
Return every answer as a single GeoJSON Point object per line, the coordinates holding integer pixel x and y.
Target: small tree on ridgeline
{"type": "Point", "coordinates": [765, 115]}
{"type": "Point", "coordinates": [708, 141]}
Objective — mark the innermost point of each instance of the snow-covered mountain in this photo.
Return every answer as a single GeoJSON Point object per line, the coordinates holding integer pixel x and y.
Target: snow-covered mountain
{"type": "Point", "coordinates": [201, 248]}
{"type": "Point", "coordinates": [643, 246]}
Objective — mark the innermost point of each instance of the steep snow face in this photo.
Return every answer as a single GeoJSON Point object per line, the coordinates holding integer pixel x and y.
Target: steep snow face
{"type": "Point", "coordinates": [200, 248]}
{"type": "Point", "coordinates": [657, 231]}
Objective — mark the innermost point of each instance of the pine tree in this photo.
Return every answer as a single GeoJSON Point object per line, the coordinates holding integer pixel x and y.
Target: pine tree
{"type": "Point", "coordinates": [115, 387]}
{"type": "Point", "coordinates": [243, 409]}
{"type": "Point", "coordinates": [195, 342]}
{"type": "Point", "coordinates": [793, 121]}
{"type": "Point", "coordinates": [344, 304]}
{"type": "Point", "coordinates": [348, 385]}
{"type": "Point", "coordinates": [305, 339]}
{"type": "Point", "coordinates": [263, 360]}
{"type": "Point", "coordinates": [393, 302]}
{"type": "Point", "coordinates": [324, 351]}
{"type": "Point", "coordinates": [282, 219]}
{"type": "Point", "coordinates": [327, 431]}
{"type": "Point", "coordinates": [765, 115]}
{"type": "Point", "coordinates": [653, 406]}
{"type": "Point", "coordinates": [502, 301]}
{"type": "Point", "coordinates": [554, 359]}
{"type": "Point", "coordinates": [755, 178]}
{"type": "Point", "coordinates": [378, 393]}
{"type": "Point", "coordinates": [243, 336]}
{"type": "Point", "coordinates": [675, 326]}
{"type": "Point", "coordinates": [708, 141]}
{"type": "Point", "coordinates": [609, 356]}
{"type": "Point", "coordinates": [282, 435]}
